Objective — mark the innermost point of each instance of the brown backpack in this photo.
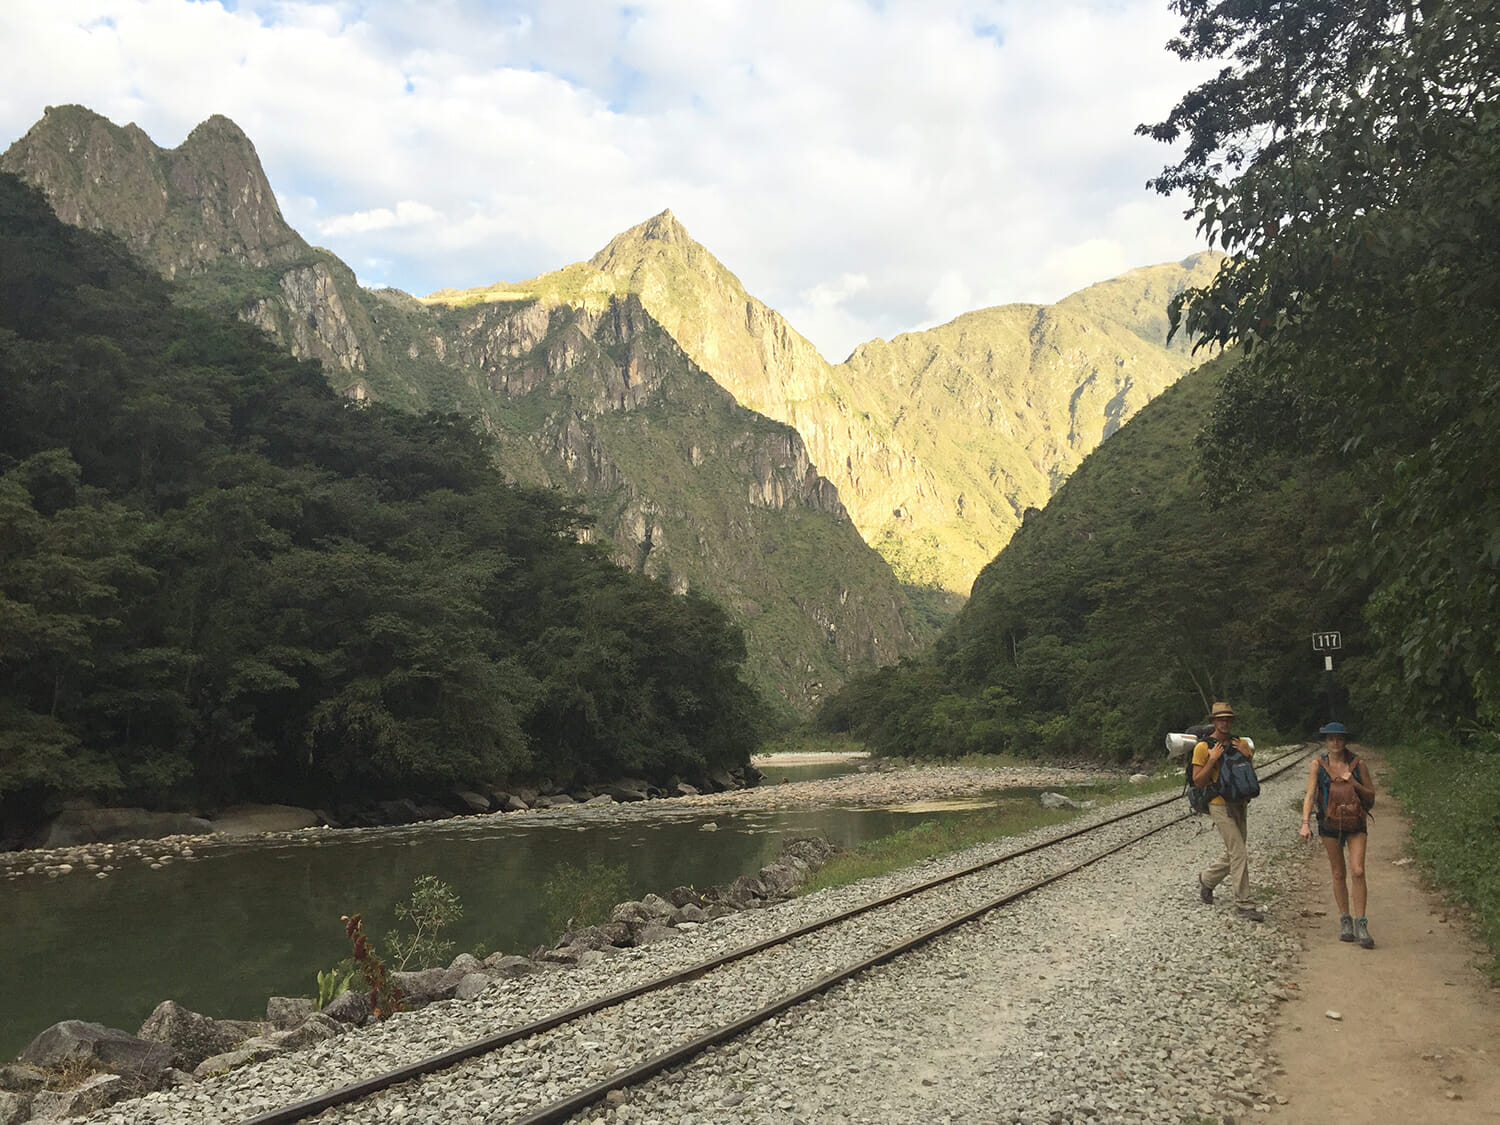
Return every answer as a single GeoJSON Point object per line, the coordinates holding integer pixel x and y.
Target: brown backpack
{"type": "Point", "coordinates": [1343, 811]}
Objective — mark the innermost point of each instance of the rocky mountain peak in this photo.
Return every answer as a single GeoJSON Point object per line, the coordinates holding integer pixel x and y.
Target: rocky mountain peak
{"type": "Point", "coordinates": [181, 209]}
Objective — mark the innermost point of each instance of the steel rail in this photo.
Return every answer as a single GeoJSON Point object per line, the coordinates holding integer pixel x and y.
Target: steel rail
{"type": "Point", "coordinates": [364, 1088]}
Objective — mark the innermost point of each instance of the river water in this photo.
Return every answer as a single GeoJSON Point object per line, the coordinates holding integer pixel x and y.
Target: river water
{"type": "Point", "coordinates": [244, 921]}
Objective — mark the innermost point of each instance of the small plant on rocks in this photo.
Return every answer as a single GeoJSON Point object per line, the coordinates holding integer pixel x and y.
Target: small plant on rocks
{"type": "Point", "coordinates": [433, 906]}
{"type": "Point", "coordinates": [385, 996]}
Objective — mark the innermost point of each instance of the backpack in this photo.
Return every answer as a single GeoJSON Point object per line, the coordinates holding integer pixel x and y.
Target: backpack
{"type": "Point", "coordinates": [1237, 780]}
{"type": "Point", "coordinates": [1341, 808]}
{"type": "Point", "coordinates": [1199, 796]}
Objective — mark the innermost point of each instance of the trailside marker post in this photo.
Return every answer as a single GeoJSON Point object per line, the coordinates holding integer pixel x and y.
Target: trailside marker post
{"type": "Point", "coordinates": [1328, 644]}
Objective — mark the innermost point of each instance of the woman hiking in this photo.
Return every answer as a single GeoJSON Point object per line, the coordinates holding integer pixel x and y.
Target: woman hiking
{"type": "Point", "coordinates": [1342, 788]}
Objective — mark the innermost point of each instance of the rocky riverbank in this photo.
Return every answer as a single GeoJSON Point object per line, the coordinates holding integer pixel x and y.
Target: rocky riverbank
{"type": "Point", "coordinates": [1113, 997]}
{"type": "Point", "coordinates": [873, 786]}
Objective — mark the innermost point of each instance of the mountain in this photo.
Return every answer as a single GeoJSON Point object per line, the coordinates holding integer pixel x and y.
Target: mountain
{"type": "Point", "coordinates": [597, 398]}
{"type": "Point", "coordinates": [1122, 609]}
{"type": "Point", "coordinates": [938, 441]}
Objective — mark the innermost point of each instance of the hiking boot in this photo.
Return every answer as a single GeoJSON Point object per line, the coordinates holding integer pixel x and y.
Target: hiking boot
{"type": "Point", "coordinates": [1249, 914]}
{"type": "Point", "coordinates": [1205, 892]}
{"type": "Point", "coordinates": [1362, 932]}
{"type": "Point", "coordinates": [1346, 928]}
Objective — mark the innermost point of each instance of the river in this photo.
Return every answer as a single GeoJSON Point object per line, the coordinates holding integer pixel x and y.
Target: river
{"type": "Point", "coordinates": [251, 919]}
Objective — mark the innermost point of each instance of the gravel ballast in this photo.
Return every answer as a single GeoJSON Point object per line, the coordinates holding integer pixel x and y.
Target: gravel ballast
{"type": "Point", "coordinates": [1112, 996]}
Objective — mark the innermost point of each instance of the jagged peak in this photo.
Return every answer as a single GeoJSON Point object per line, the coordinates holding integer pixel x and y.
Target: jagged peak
{"type": "Point", "coordinates": [217, 128]}
{"type": "Point", "coordinates": [663, 227]}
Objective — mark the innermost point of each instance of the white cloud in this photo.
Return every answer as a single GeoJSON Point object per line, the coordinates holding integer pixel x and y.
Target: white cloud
{"type": "Point", "coordinates": [406, 214]}
{"type": "Point", "coordinates": [942, 151]}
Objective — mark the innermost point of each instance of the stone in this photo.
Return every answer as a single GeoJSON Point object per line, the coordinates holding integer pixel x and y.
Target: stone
{"type": "Point", "coordinates": [472, 985]}
{"type": "Point", "coordinates": [349, 1007]}
{"type": "Point", "coordinates": [623, 791]}
{"type": "Point", "coordinates": [111, 1049]}
{"type": "Point", "coordinates": [316, 1028]}
{"type": "Point", "coordinates": [73, 827]}
{"type": "Point", "coordinates": [653, 932]}
{"type": "Point", "coordinates": [93, 1093]}
{"type": "Point", "coordinates": [1050, 800]}
{"type": "Point", "coordinates": [422, 986]}
{"type": "Point", "coordinates": [508, 966]}
{"type": "Point", "coordinates": [194, 1037]}
{"type": "Point", "coordinates": [15, 1076]}
{"type": "Point", "coordinates": [466, 801]}
{"type": "Point", "coordinates": [746, 891]}
{"type": "Point", "coordinates": [284, 1012]}
{"type": "Point", "coordinates": [251, 1051]}
{"type": "Point", "coordinates": [15, 1107]}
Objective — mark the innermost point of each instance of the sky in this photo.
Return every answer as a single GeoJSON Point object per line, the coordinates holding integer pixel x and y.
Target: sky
{"type": "Point", "coordinates": [865, 167]}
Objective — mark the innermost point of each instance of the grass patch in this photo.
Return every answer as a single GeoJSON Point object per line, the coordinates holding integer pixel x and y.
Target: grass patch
{"type": "Point", "coordinates": [928, 839]}
{"type": "Point", "coordinates": [932, 838]}
{"type": "Point", "coordinates": [1452, 797]}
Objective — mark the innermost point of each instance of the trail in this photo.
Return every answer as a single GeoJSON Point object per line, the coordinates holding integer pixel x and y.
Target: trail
{"type": "Point", "coordinates": [1419, 1037]}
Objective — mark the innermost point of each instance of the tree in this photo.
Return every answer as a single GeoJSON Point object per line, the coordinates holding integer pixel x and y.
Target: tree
{"type": "Point", "coordinates": [1347, 158]}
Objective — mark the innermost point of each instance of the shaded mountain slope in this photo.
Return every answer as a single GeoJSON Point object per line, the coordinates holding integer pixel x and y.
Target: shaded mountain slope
{"type": "Point", "coordinates": [684, 483]}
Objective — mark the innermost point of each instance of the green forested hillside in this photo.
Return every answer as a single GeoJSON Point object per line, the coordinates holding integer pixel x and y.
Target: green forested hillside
{"type": "Point", "coordinates": [221, 580]}
{"type": "Point", "coordinates": [1342, 474]}
{"type": "Point", "coordinates": [1128, 604]}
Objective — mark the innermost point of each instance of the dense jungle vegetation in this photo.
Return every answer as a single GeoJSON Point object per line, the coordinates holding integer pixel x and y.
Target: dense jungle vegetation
{"type": "Point", "coordinates": [221, 581]}
{"type": "Point", "coordinates": [1335, 468]}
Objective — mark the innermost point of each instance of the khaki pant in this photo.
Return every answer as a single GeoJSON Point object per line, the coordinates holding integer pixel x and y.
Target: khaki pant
{"type": "Point", "coordinates": [1229, 819]}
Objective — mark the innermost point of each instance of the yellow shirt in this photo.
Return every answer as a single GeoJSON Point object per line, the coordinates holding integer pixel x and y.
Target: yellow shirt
{"type": "Point", "coordinates": [1200, 758]}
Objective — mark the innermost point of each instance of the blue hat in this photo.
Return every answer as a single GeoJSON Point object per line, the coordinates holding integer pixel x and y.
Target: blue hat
{"type": "Point", "coordinates": [1333, 728]}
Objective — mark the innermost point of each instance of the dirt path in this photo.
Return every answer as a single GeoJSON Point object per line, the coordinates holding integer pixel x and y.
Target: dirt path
{"type": "Point", "coordinates": [1419, 1040]}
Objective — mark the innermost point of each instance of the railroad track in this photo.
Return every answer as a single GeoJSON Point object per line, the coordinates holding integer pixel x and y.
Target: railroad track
{"type": "Point", "coordinates": [739, 989]}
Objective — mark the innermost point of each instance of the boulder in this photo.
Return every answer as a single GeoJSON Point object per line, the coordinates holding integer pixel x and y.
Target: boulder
{"type": "Point", "coordinates": [628, 791]}
{"type": "Point", "coordinates": [780, 880]}
{"type": "Point", "coordinates": [251, 820]}
{"type": "Point", "coordinates": [422, 986]}
{"type": "Point", "coordinates": [73, 827]}
{"type": "Point", "coordinates": [465, 802]}
{"type": "Point", "coordinates": [508, 966]}
{"type": "Point", "coordinates": [93, 1093]}
{"type": "Point", "coordinates": [683, 789]}
{"type": "Point", "coordinates": [314, 1029]}
{"type": "Point", "coordinates": [653, 932]}
{"type": "Point", "coordinates": [401, 811]}
{"type": "Point", "coordinates": [250, 1051]}
{"type": "Point", "coordinates": [349, 1007]}
{"type": "Point", "coordinates": [812, 850]}
{"type": "Point", "coordinates": [472, 985]}
{"type": "Point", "coordinates": [194, 1037]}
{"type": "Point", "coordinates": [508, 802]}
{"type": "Point", "coordinates": [108, 1048]}
{"type": "Point", "coordinates": [1050, 800]}
{"type": "Point", "coordinates": [689, 912]}
{"type": "Point", "coordinates": [15, 1107]}
{"type": "Point", "coordinates": [745, 892]}
{"type": "Point", "coordinates": [14, 1076]}
{"type": "Point", "coordinates": [681, 896]}
{"type": "Point", "coordinates": [656, 908]}
{"type": "Point", "coordinates": [283, 1012]}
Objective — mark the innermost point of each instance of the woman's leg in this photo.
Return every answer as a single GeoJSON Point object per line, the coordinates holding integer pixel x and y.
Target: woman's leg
{"type": "Point", "coordinates": [1357, 872]}
{"type": "Point", "coordinates": [1335, 851]}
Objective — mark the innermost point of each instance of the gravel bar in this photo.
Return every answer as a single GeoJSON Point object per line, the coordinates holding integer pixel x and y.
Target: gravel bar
{"type": "Point", "coordinates": [1112, 996]}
